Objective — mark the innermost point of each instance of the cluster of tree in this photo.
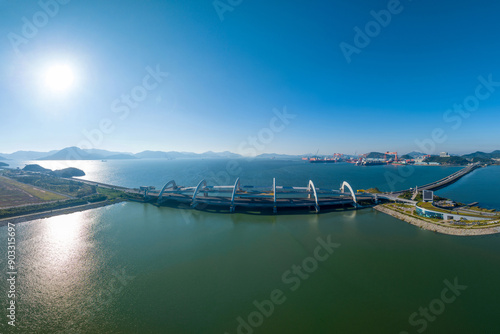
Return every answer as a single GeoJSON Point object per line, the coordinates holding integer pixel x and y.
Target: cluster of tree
{"type": "Point", "coordinates": [456, 160]}
{"type": "Point", "coordinates": [483, 160]}
{"type": "Point", "coordinates": [492, 155]}
{"type": "Point", "coordinates": [453, 160]}
{"type": "Point", "coordinates": [409, 194]}
{"type": "Point", "coordinates": [68, 172]}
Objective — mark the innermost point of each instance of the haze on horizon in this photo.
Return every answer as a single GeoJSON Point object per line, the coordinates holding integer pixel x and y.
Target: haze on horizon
{"type": "Point", "coordinates": [193, 76]}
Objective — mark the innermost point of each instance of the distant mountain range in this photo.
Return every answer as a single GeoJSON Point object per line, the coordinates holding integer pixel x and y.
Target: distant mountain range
{"type": "Point", "coordinates": [75, 153]}
{"type": "Point", "coordinates": [25, 155]}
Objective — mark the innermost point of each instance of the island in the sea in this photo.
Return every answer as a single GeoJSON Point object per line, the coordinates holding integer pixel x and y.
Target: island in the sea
{"type": "Point", "coordinates": [35, 192]}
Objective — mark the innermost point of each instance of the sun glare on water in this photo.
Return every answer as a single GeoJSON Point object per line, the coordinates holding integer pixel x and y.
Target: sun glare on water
{"type": "Point", "coordinates": [59, 78]}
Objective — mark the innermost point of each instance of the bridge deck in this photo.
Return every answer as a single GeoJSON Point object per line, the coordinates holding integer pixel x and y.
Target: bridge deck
{"type": "Point", "coordinates": [447, 180]}
{"type": "Point", "coordinates": [258, 202]}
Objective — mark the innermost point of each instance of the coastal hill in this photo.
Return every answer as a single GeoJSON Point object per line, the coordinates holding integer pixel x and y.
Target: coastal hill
{"type": "Point", "coordinates": [453, 160]}
{"type": "Point", "coordinates": [456, 160]}
{"type": "Point", "coordinates": [3, 164]}
{"type": "Point", "coordinates": [36, 169]}
{"type": "Point", "coordinates": [415, 154]}
{"type": "Point", "coordinates": [377, 155]}
{"type": "Point", "coordinates": [492, 155]}
{"type": "Point", "coordinates": [66, 172]}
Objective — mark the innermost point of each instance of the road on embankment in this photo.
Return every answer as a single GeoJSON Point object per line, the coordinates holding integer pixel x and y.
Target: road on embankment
{"type": "Point", "coordinates": [444, 181]}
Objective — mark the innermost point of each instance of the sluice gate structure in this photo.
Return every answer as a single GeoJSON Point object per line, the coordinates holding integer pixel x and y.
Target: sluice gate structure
{"type": "Point", "coordinates": [273, 197]}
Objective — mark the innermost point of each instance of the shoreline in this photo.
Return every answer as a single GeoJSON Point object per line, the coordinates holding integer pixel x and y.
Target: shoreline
{"type": "Point", "coordinates": [437, 228]}
{"type": "Point", "coordinates": [53, 213]}
{"type": "Point", "coordinates": [410, 220]}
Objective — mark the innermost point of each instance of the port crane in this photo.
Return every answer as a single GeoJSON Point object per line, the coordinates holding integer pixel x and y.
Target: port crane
{"type": "Point", "coordinates": [391, 153]}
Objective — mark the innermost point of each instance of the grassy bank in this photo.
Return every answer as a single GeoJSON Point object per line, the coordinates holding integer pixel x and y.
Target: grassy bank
{"type": "Point", "coordinates": [436, 225]}
{"type": "Point", "coordinates": [35, 208]}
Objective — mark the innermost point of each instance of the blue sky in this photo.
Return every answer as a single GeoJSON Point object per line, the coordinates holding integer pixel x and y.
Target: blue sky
{"type": "Point", "coordinates": [225, 77]}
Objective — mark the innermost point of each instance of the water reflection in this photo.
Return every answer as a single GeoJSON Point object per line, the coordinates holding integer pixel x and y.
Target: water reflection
{"type": "Point", "coordinates": [63, 237]}
{"type": "Point", "coordinates": [63, 252]}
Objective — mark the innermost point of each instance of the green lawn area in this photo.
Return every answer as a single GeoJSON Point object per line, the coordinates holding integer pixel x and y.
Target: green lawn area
{"type": "Point", "coordinates": [38, 193]}
{"type": "Point", "coordinates": [475, 208]}
{"type": "Point", "coordinates": [41, 207]}
{"type": "Point", "coordinates": [397, 207]}
{"type": "Point", "coordinates": [111, 194]}
{"type": "Point", "coordinates": [68, 187]}
{"type": "Point", "coordinates": [429, 206]}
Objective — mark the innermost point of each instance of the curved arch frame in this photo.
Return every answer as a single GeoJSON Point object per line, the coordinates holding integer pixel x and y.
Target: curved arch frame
{"type": "Point", "coordinates": [193, 200]}
{"type": "Point", "coordinates": [235, 188]}
{"type": "Point", "coordinates": [165, 187]}
{"type": "Point", "coordinates": [309, 187]}
{"type": "Point", "coordinates": [342, 189]}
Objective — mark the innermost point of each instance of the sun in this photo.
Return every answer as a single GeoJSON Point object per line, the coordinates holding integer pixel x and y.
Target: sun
{"type": "Point", "coordinates": [59, 78]}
